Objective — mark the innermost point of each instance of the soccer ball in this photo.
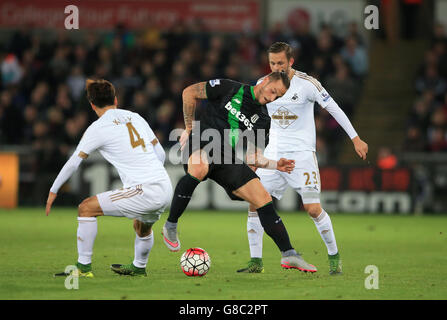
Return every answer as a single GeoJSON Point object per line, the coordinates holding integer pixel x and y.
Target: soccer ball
{"type": "Point", "coordinates": [195, 262]}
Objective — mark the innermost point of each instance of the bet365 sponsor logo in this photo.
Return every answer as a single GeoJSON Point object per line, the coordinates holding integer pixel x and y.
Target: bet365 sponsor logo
{"type": "Point", "coordinates": [241, 117]}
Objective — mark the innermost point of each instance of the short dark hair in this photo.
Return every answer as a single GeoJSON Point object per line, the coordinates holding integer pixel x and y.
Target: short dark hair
{"type": "Point", "coordinates": [280, 75]}
{"type": "Point", "coordinates": [100, 92]}
{"type": "Point", "coordinates": [278, 47]}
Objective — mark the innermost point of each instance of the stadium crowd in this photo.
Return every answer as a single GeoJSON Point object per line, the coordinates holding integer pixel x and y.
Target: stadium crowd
{"type": "Point", "coordinates": [42, 88]}
{"type": "Point", "coordinates": [427, 120]}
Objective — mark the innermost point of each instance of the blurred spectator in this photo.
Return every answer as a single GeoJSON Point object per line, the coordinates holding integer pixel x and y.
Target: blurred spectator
{"type": "Point", "coordinates": [437, 140]}
{"type": "Point", "coordinates": [343, 89]}
{"type": "Point", "coordinates": [153, 90]}
{"type": "Point", "coordinates": [164, 121]}
{"type": "Point", "coordinates": [427, 120]}
{"type": "Point", "coordinates": [76, 82]}
{"type": "Point", "coordinates": [129, 79]}
{"type": "Point", "coordinates": [20, 41]}
{"type": "Point", "coordinates": [431, 81]}
{"type": "Point", "coordinates": [414, 140]}
{"type": "Point", "coordinates": [59, 65]}
{"type": "Point", "coordinates": [63, 101]}
{"type": "Point", "coordinates": [355, 56]}
{"type": "Point", "coordinates": [322, 151]}
{"type": "Point", "coordinates": [302, 39]}
{"type": "Point", "coordinates": [39, 96]}
{"type": "Point", "coordinates": [438, 33]}
{"type": "Point", "coordinates": [386, 160]}
{"type": "Point", "coordinates": [353, 31]}
{"type": "Point", "coordinates": [30, 117]}
{"type": "Point", "coordinates": [11, 70]}
{"type": "Point", "coordinates": [10, 120]}
{"type": "Point", "coordinates": [420, 115]}
{"type": "Point", "coordinates": [431, 59]}
{"type": "Point", "coordinates": [121, 37]}
{"type": "Point", "coordinates": [322, 63]}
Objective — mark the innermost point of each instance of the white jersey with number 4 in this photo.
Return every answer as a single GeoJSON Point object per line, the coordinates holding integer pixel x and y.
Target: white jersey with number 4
{"type": "Point", "coordinates": [293, 125]}
{"type": "Point", "coordinates": [124, 139]}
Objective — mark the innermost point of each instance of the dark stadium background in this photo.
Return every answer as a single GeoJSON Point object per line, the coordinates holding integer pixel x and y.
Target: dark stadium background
{"type": "Point", "coordinates": [394, 90]}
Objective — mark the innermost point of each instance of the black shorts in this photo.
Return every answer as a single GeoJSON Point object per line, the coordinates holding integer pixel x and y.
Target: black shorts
{"type": "Point", "coordinates": [229, 176]}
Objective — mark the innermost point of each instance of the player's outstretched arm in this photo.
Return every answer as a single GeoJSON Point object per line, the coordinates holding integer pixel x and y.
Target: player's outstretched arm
{"type": "Point", "coordinates": [51, 197]}
{"type": "Point", "coordinates": [67, 170]}
{"type": "Point", "coordinates": [257, 159]}
{"type": "Point", "coordinates": [190, 96]}
{"type": "Point", "coordinates": [359, 145]}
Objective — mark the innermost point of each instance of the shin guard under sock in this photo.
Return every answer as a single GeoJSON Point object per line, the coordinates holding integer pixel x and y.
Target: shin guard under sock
{"type": "Point", "coordinates": [182, 195]}
{"type": "Point", "coordinates": [274, 227]}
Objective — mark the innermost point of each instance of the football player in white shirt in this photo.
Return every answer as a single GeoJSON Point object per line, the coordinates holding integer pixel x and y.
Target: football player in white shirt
{"type": "Point", "coordinates": [292, 136]}
{"type": "Point", "coordinates": [125, 140]}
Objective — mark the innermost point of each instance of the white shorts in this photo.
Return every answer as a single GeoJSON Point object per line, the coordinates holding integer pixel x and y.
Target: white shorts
{"type": "Point", "coordinates": [304, 179]}
{"type": "Point", "coordinates": [144, 202]}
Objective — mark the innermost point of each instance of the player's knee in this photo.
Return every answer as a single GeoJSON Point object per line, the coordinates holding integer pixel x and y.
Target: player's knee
{"type": "Point", "coordinates": [252, 208]}
{"type": "Point", "coordinates": [142, 229]}
{"type": "Point", "coordinates": [263, 198]}
{"type": "Point", "coordinates": [313, 209]}
{"type": "Point", "coordinates": [198, 171]}
{"type": "Point", "coordinates": [83, 209]}
{"type": "Point", "coordinates": [266, 197]}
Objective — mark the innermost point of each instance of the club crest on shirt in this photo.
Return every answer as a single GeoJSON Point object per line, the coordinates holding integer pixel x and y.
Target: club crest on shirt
{"type": "Point", "coordinates": [295, 97]}
{"type": "Point", "coordinates": [284, 117]}
{"type": "Point", "coordinates": [254, 118]}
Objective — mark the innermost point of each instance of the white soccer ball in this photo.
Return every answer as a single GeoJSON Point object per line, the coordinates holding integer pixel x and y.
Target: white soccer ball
{"type": "Point", "coordinates": [195, 262]}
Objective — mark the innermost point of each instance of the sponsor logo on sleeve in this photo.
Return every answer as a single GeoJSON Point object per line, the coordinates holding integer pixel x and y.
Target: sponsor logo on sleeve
{"type": "Point", "coordinates": [325, 96]}
{"type": "Point", "coordinates": [214, 82]}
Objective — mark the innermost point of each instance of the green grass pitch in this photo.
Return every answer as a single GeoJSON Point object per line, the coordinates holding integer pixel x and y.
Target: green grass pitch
{"type": "Point", "coordinates": [409, 252]}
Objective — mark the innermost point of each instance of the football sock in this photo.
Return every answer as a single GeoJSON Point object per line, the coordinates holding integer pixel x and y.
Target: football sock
{"type": "Point", "coordinates": [87, 230]}
{"type": "Point", "coordinates": [182, 195]}
{"type": "Point", "coordinates": [289, 253]}
{"type": "Point", "coordinates": [255, 233]}
{"type": "Point", "coordinates": [324, 226]}
{"type": "Point", "coordinates": [143, 246]}
{"type": "Point", "coordinates": [171, 225]}
{"type": "Point", "coordinates": [274, 227]}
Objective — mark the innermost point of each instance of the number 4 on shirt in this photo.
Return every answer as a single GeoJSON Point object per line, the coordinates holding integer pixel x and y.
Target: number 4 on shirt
{"type": "Point", "coordinates": [134, 133]}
